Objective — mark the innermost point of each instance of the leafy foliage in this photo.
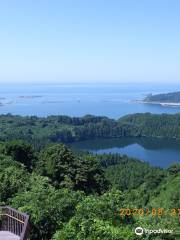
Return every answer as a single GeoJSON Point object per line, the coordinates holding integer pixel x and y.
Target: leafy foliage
{"type": "Point", "coordinates": [12, 178]}
{"type": "Point", "coordinates": [126, 173]}
{"type": "Point", "coordinates": [48, 207]}
{"type": "Point", "coordinates": [67, 170]}
{"type": "Point", "coordinates": [43, 131]}
{"type": "Point", "coordinates": [99, 222]}
{"type": "Point", "coordinates": [20, 152]}
{"type": "Point", "coordinates": [78, 196]}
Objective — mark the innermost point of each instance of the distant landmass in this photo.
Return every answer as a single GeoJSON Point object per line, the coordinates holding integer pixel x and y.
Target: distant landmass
{"type": "Point", "coordinates": [30, 97]}
{"type": "Point", "coordinates": [172, 98]}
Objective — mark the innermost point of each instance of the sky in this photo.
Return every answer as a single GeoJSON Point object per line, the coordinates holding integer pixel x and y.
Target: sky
{"type": "Point", "coordinates": [81, 41]}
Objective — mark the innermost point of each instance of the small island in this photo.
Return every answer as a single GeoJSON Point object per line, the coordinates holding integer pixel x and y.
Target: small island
{"type": "Point", "coordinates": [30, 97]}
{"type": "Point", "coordinates": [164, 99]}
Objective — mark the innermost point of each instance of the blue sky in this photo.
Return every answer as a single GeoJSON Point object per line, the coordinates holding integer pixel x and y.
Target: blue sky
{"type": "Point", "coordinates": [89, 41]}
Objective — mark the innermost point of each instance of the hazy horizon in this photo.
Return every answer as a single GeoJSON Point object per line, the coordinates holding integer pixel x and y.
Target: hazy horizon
{"type": "Point", "coordinates": [98, 84]}
{"type": "Point", "coordinates": [89, 41]}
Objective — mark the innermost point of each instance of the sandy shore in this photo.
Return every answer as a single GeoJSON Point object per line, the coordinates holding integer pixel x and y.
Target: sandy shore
{"type": "Point", "coordinates": [169, 104]}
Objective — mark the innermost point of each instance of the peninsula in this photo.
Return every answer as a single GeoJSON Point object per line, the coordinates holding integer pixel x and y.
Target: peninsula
{"type": "Point", "coordinates": [164, 99]}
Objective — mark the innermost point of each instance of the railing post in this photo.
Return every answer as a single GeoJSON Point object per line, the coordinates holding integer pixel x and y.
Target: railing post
{"type": "Point", "coordinates": [14, 222]}
{"type": "Point", "coordinates": [25, 231]}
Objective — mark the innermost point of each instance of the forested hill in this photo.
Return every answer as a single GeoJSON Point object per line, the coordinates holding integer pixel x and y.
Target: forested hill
{"type": "Point", "coordinates": [173, 97]}
{"type": "Point", "coordinates": [42, 131]}
{"type": "Point", "coordinates": [84, 196]}
{"type": "Point", "coordinates": [79, 196]}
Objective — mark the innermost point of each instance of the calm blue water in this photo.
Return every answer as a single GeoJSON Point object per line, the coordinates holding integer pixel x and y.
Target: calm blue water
{"type": "Point", "coordinates": [158, 152]}
{"type": "Point", "coordinates": [77, 100]}
{"type": "Point", "coordinates": [113, 101]}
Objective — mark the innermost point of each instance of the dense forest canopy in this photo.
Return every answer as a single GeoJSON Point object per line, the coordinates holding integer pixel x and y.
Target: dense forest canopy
{"type": "Point", "coordinates": [77, 196]}
{"type": "Point", "coordinates": [41, 131]}
{"type": "Point", "coordinates": [173, 97]}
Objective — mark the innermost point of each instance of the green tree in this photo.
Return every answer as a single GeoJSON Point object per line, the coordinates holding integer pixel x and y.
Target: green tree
{"type": "Point", "coordinates": [95, 219]}
{"type": "Point", "coordinates": [67, 170]}
{"type": "Point", "coordinates": [49, 208]}
{"type": "Point", "coordinates": [21, 152]}
{"type": "Point", "coordinates": [174, 169]}
{"type": "Point", "coordinates": [12, 178]}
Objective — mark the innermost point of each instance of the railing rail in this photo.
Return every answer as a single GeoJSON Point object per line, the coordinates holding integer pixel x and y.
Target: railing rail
{"type": "Point", "coordinates": [14, 221]}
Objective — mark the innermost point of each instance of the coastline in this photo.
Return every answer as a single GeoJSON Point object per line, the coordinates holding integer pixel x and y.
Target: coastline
{"type": "Point", "coordinates": [164, 104]}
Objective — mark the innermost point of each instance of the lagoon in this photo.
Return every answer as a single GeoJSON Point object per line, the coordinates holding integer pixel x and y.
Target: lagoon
{"type": "Point", "coordinates": [156, 151]}
{"type": "Point", "coordinates": [111, 100]}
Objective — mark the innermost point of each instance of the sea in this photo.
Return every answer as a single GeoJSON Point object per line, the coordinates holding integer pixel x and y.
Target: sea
{"type": "Point", "coordinates": [111, 100]}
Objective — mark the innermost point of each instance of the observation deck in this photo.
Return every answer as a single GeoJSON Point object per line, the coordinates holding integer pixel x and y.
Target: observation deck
{"type": "Point", "coordinates": [14, 225]}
